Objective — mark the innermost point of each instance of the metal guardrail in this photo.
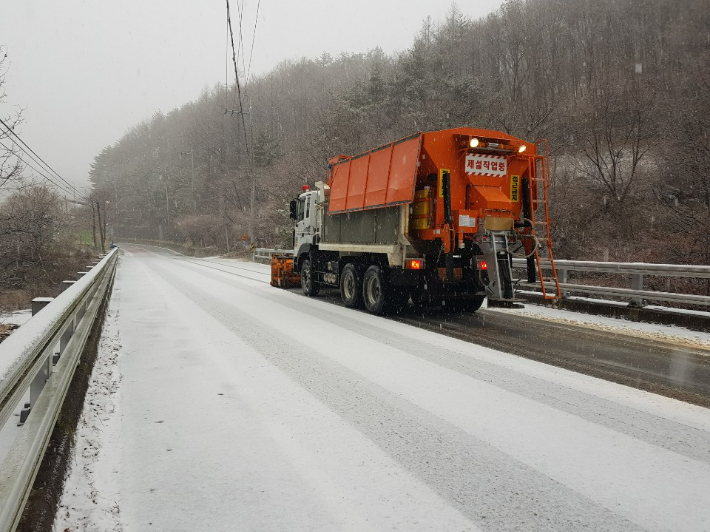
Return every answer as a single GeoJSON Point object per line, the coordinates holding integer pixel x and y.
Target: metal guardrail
{"type": "Point", "coordinates": [637, 270]}
{"type": "Point", "coordinates": [40, 358]}
{"type": "Point", "coordinates": [265, 253]}
{"type": "Point", "coordinates": [636, 294]}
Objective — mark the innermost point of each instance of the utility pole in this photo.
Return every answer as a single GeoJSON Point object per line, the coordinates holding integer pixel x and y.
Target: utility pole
{"type": "Point", "coordinates": [251, 172]}
{"type": "Point", "coordinates": [102, 235]}
{"type": "Point", "coordinates": [167, 204]}
{"type": "Point", "coordinates": [191, 153]}
{"type": "Point", "coordinates": [106, 203]}
{"type": "Point", "coordinates": [251, 167]}
{"type": "Point", "coordinates": [93, 224]}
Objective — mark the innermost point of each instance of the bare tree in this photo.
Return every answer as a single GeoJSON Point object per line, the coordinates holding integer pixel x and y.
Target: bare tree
{"type": "Point", "coordinates": [10, 160]}
{"type": "Point", "coordinates": [615, 141]}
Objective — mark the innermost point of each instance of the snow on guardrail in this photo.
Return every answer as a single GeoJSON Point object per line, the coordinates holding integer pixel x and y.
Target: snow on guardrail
{"type": "Point", "coordinates": [30, 336]}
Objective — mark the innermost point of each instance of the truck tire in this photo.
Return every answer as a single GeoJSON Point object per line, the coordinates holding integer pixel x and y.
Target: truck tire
{"type": "Point", "coordinates": [374, 290]}
{"type": "Point", "coordinates": [308, 284]}
{"type": "Point", "coordinates": [472, 304]}
{"type": "Point", "coordinates": [463, 303]}
{"type": "Point", "coordinates": [351, 287]}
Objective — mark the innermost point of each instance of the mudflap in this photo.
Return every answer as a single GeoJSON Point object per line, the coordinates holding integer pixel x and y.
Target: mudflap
{"type": "Point", "coordinates": [282, 275]}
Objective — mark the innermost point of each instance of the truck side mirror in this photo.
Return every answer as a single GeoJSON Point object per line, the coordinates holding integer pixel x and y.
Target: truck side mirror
{"type": "Point", "coordinates": [293, 209]}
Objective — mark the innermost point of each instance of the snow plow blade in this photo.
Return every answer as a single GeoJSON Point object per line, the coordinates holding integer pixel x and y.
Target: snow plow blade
{"type": "Point", "coordinates": [282, 275]}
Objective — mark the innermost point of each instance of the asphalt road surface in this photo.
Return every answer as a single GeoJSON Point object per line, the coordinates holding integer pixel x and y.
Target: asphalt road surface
{"type": "Point", "coordinates": [245, 407]}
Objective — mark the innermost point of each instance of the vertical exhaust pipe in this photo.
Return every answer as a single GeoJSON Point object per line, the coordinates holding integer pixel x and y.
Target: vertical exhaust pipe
{"type": "Point", "coordinates": [448, 219]}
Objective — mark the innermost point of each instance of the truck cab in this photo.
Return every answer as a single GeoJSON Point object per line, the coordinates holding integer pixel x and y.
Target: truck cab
{"type": "Point", "coordinates": [306, 231]}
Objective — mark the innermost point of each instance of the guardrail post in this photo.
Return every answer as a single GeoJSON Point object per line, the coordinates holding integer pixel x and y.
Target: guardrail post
{"type": "Point", "coordinates": [37, 384]}
{"type": "Point", "coordinates": [66, 336]}
{"type": "Point", "coordinates": [39, 303]}
{"type": "Point", "coordinates": [40, 380]}
{"type": "Point", "coordinates": [562, 278]}
{"type": "Point", "coordinates": [637, 284]}
{"type": "Point", "coordinates": [66, 284]}
{"type": "Point", "coordinates": [82, 310]}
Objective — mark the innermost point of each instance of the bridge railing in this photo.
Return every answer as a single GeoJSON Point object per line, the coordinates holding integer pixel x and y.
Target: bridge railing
{"type": "Point", "coordinates": [636, 294]}
{"type": "Point", "coordinates": [37, 364]}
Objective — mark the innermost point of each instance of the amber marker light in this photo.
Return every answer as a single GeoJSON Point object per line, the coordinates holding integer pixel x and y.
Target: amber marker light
{"type": "Point", "coordinates": [414, 264]}
{"type": "Point", "coordinates": [522, 148]}
{"type": "Point", "coordinates": [474, 142]}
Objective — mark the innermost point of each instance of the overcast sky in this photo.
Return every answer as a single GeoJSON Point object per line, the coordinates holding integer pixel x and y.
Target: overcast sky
{"type": "Point", "coordinates": [86, 71]}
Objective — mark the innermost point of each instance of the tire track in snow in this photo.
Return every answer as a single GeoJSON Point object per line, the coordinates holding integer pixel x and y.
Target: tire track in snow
{"type": "Point", "coordinates": [493, 489]}
{"type": "Point", "coordinates": [678, 437]}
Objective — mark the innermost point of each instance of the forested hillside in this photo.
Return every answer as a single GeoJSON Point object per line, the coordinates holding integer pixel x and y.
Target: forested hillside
{"type": "Point", "coordinates": [621, 88]}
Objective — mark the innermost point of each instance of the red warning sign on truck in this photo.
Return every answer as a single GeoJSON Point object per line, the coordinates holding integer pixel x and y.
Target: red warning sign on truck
{"type": "Point", "coordinates": [488, 165]}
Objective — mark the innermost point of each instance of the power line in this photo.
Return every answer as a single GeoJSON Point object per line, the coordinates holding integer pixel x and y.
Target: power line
{"type": "Point", "coordinates": [226, 69]}
{"type": "Point", "coordinates": [236, 75]}
{"type": "Point", "coordinates": [240, 9]}
{"type": "Point", "coordinates": [9, 129]}
{"type": "Point", "coordinates": [253, 38]}
{"type": "Point", "coordinates": [41, 162]}
{"type": "Point", "coordinates": [41, 173]}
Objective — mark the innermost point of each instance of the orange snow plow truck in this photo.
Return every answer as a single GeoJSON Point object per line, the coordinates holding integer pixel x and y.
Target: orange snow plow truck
{"type": "Point", "coordinates": [435, 217]}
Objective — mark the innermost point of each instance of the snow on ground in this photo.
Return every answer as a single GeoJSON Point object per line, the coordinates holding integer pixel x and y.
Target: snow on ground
{"type": "Point", "coordinates": [90, 499]}
{"type": "Point", "coordinates": [665, 333]}
{"type": "Point", "coordinates": [19, 317]}
{"type": "Point", "coordinates": [242, 407]}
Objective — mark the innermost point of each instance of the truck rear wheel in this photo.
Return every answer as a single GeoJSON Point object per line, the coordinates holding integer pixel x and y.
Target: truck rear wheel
{"type": "Point", "coordinates": [308, 284]}
{"type": "Point", "coordinates": [374, 290]}
{"type": "Point", "coordinates": [463, 303]}
{"type": "Point", "coordinates": [472, 303]}
{"type": "Point", "coordinates": [350, 287]}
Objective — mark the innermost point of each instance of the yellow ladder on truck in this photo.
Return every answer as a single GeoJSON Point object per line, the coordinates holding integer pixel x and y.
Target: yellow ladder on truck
{"type": "Point", "coordinates": [541, 227]}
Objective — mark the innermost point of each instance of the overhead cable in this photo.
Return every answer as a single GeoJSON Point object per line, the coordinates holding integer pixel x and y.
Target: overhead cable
{"type": "Point", "coordinates": [63, 188]}
{"type": "Point", "coordinates": [23, 143]}
{"type": "Point", "coordinates": [236, 75]}
{"type": "Point", "coordinates": [241, 51]}
{"type": "Point", "coordinates": [253, 38]}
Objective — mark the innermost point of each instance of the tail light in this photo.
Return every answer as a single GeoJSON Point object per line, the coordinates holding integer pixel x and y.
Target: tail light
{"type": "Point", "coordinates": [414, 264]}
{"type": "Point", "coordinates": [482, 265]}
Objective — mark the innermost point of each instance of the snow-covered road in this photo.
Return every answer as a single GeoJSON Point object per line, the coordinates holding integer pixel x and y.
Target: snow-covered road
{"type": "Point", "coordinates": [220, 403]}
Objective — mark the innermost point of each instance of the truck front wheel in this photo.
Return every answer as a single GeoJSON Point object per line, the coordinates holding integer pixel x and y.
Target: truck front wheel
{"type": "Point", "coordinates": [350, 287]}
{"type": "Point", "coordinates": [308, 284]}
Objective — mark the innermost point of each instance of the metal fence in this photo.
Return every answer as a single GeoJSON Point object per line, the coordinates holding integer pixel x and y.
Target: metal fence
{"type": "Point", "coordinates": [37, 364]}
{"type": "Point", "coordinates": [636, 294]}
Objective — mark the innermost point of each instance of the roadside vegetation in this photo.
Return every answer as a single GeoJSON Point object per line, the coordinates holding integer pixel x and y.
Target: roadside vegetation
{"type": "Point", "coordinates": [39, 245]}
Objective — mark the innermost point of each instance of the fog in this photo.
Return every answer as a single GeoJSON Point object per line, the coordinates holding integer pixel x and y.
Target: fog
{"type": "Point", "coordinates": [85, 72]}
